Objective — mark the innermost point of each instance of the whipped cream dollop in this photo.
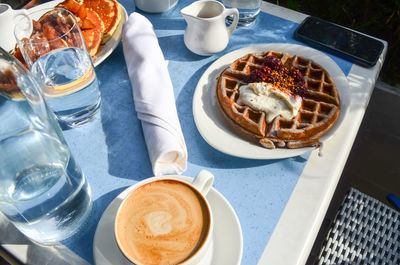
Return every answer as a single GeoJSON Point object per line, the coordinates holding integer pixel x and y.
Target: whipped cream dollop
{"type": "Point", "coordinates": [270, 99]}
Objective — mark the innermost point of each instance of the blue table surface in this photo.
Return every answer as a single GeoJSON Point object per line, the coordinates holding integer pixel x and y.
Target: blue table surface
{"type": "Point", "coordinates": [112, 153]}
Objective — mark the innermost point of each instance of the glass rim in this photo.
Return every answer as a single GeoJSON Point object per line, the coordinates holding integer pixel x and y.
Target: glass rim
{"type": "Point", "coordinates": [44, 11]}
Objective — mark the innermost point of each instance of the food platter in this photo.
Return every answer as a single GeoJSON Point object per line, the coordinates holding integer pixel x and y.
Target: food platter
{"type": "Point", "coordinates": [104, 50]}
{"type": "Point", "coordinates": [221, 134]}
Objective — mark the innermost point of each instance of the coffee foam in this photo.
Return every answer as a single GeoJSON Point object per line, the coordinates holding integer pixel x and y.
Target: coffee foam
{"type": "Point", "coordinates": [162, 222]}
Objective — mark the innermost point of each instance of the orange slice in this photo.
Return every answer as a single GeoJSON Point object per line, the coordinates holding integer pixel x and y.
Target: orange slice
{"type": "Point", "coordinates": [109, 11]}
{"type": "Point", "coordinates": [9, 86]}
{"type": "Point", "coordinates": [94, 18]}
{"type": "Point", "coordinates": [90, 23]}
{"type": "Point", "coordinates": [76, 7]}
{"type": "Point", "coordinates": [93, 40]}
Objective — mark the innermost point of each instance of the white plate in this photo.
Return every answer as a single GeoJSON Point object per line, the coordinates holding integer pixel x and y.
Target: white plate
{"type": "Point", "coordinates": [228, 241]}
{"type": "Point", "coordinates": [219, 132]}
{"type": "Point", "coordinates": [104, 50]}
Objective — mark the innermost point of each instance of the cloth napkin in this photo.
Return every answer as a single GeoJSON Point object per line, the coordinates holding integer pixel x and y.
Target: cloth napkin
{"type": "Point", "coordinates": [153, 96]}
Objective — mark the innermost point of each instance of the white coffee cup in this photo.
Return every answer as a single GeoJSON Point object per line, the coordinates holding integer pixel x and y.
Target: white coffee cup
{"type": "Point", "coordinates": [155, 6]}
{"type": "Point", "coordinates": [167, 220]}
{"type": "Point", "coordinates": [7, 18]}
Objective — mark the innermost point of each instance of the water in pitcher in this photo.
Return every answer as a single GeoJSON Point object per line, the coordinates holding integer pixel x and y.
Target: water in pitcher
{"type": "Point", "coordinates": [71, 87]}
{"type": "Point", "coordinates": [42, 190]}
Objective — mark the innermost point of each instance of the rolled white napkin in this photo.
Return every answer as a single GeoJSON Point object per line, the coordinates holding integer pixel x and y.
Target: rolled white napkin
{"type": "Point", "coordinates": [153, 95]}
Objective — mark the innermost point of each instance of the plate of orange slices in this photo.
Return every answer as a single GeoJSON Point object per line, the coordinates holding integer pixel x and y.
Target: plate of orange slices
{"type": "Point", "coordinates": [100, 22]}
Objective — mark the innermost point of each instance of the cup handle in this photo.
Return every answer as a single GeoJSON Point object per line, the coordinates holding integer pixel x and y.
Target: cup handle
{"type": "Point", "coordinates": [203, 181]}
{"type": "Point", "coordinates": [235, 13]}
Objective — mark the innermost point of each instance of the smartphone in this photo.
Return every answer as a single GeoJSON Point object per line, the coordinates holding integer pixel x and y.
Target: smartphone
{"type": "Point", "coordinates": [344, 42]}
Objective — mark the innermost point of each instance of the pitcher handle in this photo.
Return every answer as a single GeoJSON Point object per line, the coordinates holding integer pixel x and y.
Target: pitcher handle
{"type": "Point", "coordinates": [22, 12]}
{"type": "Point", "coordinates": [235, 13]}
{"type": "Point", "coordinates": [19, 12]}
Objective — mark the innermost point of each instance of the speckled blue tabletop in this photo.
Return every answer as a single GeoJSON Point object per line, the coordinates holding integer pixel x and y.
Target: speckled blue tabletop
{"type": "Point", "coordinates": [113, 155]}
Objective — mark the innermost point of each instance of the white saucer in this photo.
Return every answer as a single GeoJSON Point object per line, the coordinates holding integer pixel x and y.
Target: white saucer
{"type": "Point", "coordinates": [228, 240]}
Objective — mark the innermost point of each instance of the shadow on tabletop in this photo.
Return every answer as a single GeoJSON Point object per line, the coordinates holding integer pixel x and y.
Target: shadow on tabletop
{"type": "Point", "coordinates": [87, 232]}
{"type": "Point", "coordinates": [55, 254]}
{"type": "Point", "coordinates": [126, 146]}
{"type": "Point", "coordinates": [165, 22]}
{"type": "Point", "coordinates": [180, 52]}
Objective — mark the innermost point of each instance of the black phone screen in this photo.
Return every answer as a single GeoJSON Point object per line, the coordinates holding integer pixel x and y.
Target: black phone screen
{"type": "Point", "coordinates": [338, 38]}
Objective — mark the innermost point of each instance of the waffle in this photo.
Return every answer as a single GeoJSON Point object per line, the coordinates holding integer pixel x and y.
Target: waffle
{"type": "Point", "coordinates": [319, 109]}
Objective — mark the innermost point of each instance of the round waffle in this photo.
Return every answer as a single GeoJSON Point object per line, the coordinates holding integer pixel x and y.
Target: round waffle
{"type": "Point", "coordinates": [319, 109]}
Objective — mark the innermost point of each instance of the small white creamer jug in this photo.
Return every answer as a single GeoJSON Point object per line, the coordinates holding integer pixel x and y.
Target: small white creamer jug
{"type": "Point", "coordinates": [206, 31]}
{"type": "Point", "coordinates": [7, 18]}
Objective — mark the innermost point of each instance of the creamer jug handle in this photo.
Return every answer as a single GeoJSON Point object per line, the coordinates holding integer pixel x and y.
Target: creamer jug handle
{"type": "Point", "coordinates": [235, 13]}
{"type": "Point", "coordinates": [19, 12]}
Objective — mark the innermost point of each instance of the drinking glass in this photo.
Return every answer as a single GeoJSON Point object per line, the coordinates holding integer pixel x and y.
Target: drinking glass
{"type": "Point", "coordinates": [248, 10]}
{"type": "Point", "coordinates": [43, 191]}
{"type": "Point", "coordinates": [55, 51]}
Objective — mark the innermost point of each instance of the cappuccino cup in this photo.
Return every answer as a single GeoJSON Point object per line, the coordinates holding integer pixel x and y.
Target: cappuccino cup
{"type": "Point", "coordinates": [167, 220]}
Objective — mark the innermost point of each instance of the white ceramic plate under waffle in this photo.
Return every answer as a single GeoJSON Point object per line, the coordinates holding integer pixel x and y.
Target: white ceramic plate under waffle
{"type": "Point", "coordinates": [218, 132]}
